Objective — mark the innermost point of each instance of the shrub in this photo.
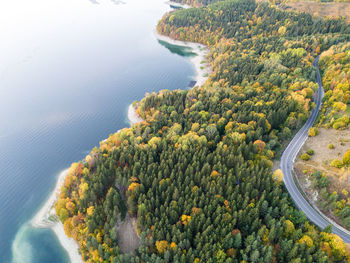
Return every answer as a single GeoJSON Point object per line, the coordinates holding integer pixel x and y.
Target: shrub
{"type": "Point", "coordinates": [336, 163]}
{"type": "Point", "coordinates": [322, 182]}
{"type": "Point", "coordinates": [317, 175]}
{"type": "Point", "coordinates": [331, 146]}
{"type": "Point", "coordinates": [346, 158]}
{"type": "Point", "coordinates": [313, 131]}
{"type": "Point", "coordinates": [344, 119]}
{"type": "Point", "coordinates": [338, 124]}
{"type": "Point", "coordinates": [305, 157]}
{"type": "Point", "coordinates": [320, 179]}
{"type": "Point", "coordinates": [339, 106]}
{"type": "Point", "coordinates": [310, 152]}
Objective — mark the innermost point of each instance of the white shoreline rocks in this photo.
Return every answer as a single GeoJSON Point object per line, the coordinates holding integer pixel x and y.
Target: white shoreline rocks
{"type": "Point", "coordinates": [133, 117]}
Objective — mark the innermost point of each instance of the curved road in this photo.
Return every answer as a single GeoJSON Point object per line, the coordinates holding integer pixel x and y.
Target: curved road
{"type": "Point", "coordinates": [287, 163]}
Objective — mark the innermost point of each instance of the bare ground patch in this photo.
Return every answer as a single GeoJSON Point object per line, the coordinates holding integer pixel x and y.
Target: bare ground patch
{"type": "Point", "coordinates": [322, 9]}
{"type": "Point", "coordinates": [129, 240]}
{"type": "Point", "coordinates": [339, 138]}
{"type": "Point", "coordinates": [339, 178]}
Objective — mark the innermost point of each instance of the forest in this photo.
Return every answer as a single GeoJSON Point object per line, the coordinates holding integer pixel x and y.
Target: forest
{"type": "Point", "coordinates": [197, 172]}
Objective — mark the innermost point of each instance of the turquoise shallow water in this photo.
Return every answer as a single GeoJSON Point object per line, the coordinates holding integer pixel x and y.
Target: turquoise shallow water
{"type": "Point", "coordinates": [68, 71]}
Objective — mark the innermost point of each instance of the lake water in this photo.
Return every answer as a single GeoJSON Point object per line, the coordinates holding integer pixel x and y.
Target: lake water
{"type": "Point", "coordinates": [68, 71]}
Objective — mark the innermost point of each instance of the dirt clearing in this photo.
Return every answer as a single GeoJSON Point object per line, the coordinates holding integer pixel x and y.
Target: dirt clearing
{"type": "Point", "coordinates": [129, 240]}
{"type": "Point", "coordinates": [323, 155]}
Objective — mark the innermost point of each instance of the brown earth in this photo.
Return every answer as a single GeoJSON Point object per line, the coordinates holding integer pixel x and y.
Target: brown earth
{"type": "Point", "coordinates": [128, 239]}
{"type": "Point", "coordinates": [339, 178]}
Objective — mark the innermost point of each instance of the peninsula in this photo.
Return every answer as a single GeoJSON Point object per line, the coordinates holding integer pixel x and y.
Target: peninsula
{"type": "Point", "coordinates": [193, 174]}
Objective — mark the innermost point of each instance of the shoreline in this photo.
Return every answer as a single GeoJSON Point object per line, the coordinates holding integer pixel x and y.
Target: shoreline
{"type": "Point", "coordinates": [178, 5]}
{"type": "Point", "coordinates": [202, 70]}
{"type": "Point", "coordinates": [44, 217]}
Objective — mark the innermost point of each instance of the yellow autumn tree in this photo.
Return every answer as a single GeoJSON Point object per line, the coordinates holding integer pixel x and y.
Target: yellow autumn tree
{"type": "Point", "coordinates": [172, 245]}
{"type": "Point", "coordinates": [326, 248]}
{"type": "Point", "coordinates": [337, 245]}
{"type": "Point", "coordinates": [313, 132]}
{"type": "Point", "coordinates": [185, 219]}
{"type": "Point", "coordinates": [61, 209]}
{"type": "Point", "coordinates": [133, 186]}
{"type": "Point", "coordinates": [289, 228]}
{"type": "Point", "coordinates": [339, 106]}
{"type": "Point", "coordinates": [214, 173]}
{"type": "Point", "coordinates": [67, 226]}
{"type": "Point", "coordinates": [70, 206]}
{"type": "Point", "coordinates": [307, 240]}
{"type": "Point", "coordinates": [278, 175]}
{"type": "Point", "coordinates": [282, 30]}
{"type": "Point", "coordinates": [154, 142]}
{"type": "Point", "coordinates": [83, 187]}
{"type": "Point", "coordinates": [72, 169]}
{"type": "Point", "coordinates": [162, 246]}
{"type": "Point", "coordinates": [260, 145]}
{"type": "Point", "coordinates": [88, 158]}
{"type": "Point", "coordinates": [95, 256]}
{"type": "Point", "coordinates": [90, 210]}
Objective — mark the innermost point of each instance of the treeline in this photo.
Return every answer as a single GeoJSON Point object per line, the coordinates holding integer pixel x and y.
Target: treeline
{"type": "Point", "coordinates": [197, 172]}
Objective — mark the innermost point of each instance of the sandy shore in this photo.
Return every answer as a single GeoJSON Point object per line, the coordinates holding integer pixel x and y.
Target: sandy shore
{"type": "Point", "coordinates": [46, 218]}
{"type": "Point", "coordinates": [133, 116]}
{"type": "Point", "coordinates": [202, 69]}
{"type": "Point", "coordinates": [69, 244]}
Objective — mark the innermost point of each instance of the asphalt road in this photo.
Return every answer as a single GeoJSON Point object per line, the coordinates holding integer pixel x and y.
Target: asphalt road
{"type": "Point", "coordinates": [287, 163]}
